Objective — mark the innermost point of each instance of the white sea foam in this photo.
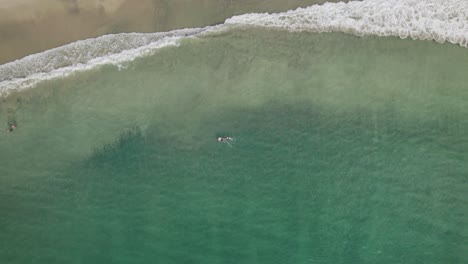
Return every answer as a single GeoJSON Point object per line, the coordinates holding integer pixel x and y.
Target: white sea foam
{"type": "Point", "coordinates": [86, 55]}
{"type": "Point", "coordinates": [439, 20]}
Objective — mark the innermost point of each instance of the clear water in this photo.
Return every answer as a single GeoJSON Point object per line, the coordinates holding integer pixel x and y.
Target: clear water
{"type": "Point", "coordinates": [346, 150]}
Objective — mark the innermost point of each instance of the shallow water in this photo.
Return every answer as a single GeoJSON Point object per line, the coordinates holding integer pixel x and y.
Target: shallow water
{"type": "Point", "coordinates": [347, 150]}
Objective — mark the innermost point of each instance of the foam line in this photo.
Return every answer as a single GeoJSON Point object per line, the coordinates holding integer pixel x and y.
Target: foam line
{"type": "Point", "coordinates": [439, 20]}
{"type": "Point", "coordinates": [86, 55]}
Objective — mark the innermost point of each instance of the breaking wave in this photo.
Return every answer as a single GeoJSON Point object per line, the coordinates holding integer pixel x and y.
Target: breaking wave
{"type": "Point", "coordinates": [439, 20]}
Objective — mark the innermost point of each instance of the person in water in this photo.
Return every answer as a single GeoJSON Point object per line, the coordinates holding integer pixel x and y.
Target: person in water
{"type": "Point", "coordinates": [224, 139]}
{"type": "Point", "coordinates": [10, 128]}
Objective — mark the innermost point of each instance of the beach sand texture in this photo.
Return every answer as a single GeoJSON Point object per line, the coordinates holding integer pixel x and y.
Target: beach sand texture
{"type": "Point", "coordinates": [29, 26]}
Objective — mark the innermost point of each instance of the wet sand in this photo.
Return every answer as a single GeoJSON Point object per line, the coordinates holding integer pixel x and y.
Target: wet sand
{"type": "Point", "coordinates": [30, 26]}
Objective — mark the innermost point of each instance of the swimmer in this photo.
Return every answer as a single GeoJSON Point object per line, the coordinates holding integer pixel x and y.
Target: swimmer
{"type": "Point", "coordinates": [11, 128]}
{"type": "Point", "coordinates": [224, 139]}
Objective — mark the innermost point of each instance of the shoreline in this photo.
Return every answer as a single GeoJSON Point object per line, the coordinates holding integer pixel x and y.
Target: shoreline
{"type": "Point", "coordinates": [28, 27]}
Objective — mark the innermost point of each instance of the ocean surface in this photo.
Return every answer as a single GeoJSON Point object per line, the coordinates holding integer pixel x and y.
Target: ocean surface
{"type": "Point", "coordinates": [347, 149]}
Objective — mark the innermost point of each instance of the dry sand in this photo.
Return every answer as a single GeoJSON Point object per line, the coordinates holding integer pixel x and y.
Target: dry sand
{"type": "Point", "coordinates": [31, 26]}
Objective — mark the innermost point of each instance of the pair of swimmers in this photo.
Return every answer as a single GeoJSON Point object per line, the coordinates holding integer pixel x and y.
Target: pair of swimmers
{"type": "Point", "coordinates": [225, 139]}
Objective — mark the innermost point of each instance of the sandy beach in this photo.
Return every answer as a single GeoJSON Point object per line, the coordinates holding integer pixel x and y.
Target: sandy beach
{"type": "Point", "coordinates": [29, 26]}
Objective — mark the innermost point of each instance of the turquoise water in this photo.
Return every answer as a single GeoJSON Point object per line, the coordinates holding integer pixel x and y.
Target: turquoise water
{"type": "Point", "coordinates": [346, 150]}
